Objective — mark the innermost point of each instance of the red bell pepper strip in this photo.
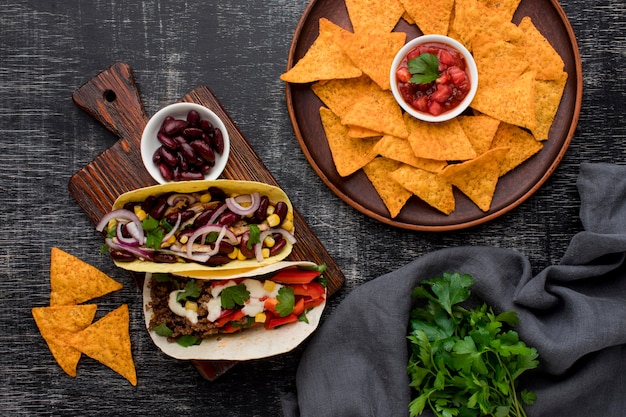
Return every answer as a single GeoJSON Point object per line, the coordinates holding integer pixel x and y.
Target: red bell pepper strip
{"type": "Point", "coordinates": [233, 316]}
{"type": "Point", "coordinates": [298, 308]}
{"type": "Point", "coordinates": [295, 276]}
{"type": "Point", "coordinates": [313, 290]}
{"type": "Point", "coordinates": [279, 321]}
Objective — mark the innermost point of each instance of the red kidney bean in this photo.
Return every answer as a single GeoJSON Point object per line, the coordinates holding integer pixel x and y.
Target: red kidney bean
{"type": "Point", "coordinates": [261, 213]}
{"type": "Point", "coordinates": [183, 164]}
{"type": "Point", "coordinates": [185, 215]}
{"type": "Point", "coordinates": [217, 193]}
{"type": "Point", "coordinates": [218, 141]}
{"type": "Point", "coordinates": [278, 246]}
{"type": "Point", "coordinates": [167, 141]}
{"type": "Point", "coordinates": [168, 157]}
{"type": "Point", "coordinates": [217, 260]}
{"type": "Point", "coordinates": [122, 256]}
{"type": "Point", "coordinates": [186, 232]}
{"type": "Point", "coordinates": [203, 218]}
{"type": "Point", "coordinates": [191, 176]}
{"type": "Point", "coordinates": [228, 219]}
{"type": "Point", "coordinates": [243, 246]}
{"type": "Point", "coordinates": [165, 171]}
{"type": "Point", "coordinates": [203, 150]}
{"type": "Point", "coordinates": [148, 203]}
{"type": "Point", "coordinates": [187, 151]}
{"type": "Point", "coordinates": [207, 127]}
{"type": "Point", "coordinates": [172, 126]}
{"type": "Point", "coordinates": [193, 118]}
{"type": "Point", "coordinates": [281, 210]}
{"type": "Point", "coordinates": [164, 258]}
{"type": "Point", "coordinates": [206, 168]}
{"type": "Point", "coordinates": [225, 248]}
{"type": "Point", "coordinates": [158, 211]}
{"type": "Point", "coordinates": [192, 133]}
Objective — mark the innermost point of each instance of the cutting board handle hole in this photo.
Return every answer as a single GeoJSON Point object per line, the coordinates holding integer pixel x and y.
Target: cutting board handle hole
{"type": "Point", "coordinates": [109, 95]}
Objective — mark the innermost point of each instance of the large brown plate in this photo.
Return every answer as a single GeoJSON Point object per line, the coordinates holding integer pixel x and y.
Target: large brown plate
{"type": "Point", "coordinates": [513, 189]}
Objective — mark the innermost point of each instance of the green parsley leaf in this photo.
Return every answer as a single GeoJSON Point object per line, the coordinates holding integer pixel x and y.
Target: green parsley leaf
{"type": "Point", "coordinates": [163, 330]}
{"type": "Point", "coordinates": [188, 340]}
{"type": "Point", "coordinates": [424, 68]}
{"type": "Point", "coordinates": [255, 235]}
{"type": "Point", "coordinates": [191, 290]}
{"type": "Point", "coordinates": [234, 295]}
{"type": "Point", "coordinates": [286, 301]}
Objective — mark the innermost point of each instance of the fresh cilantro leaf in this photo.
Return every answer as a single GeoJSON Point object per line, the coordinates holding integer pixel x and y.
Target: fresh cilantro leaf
{"type": "Point", "coordinates": [286, 301]}
{"type": "Point", "coordinates": [424, 68]}
{"type": "Point", "coordinates": [303, 318]}
{"type": "Point", "coordinates": [149, 223]}
{"type": "Point", "coordinates": [234, 295]}
{"type": "Point", "coordinates": [163, 330]}
{"type": "Point", "coordinates": [211, 237]}
{"type": "Point", "coordinates": [191, 290]}
{"type": "Point", "coordinates": [188, 340]}
{"type": "Point", "coordinates": [255, 235]}
{"type": "Point", "coordinates": [154, 232]}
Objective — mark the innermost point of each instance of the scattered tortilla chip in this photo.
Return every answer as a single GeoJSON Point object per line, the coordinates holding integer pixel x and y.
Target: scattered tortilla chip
{"type": "Point", "coordinates": [349, 154]}
{"type": "Point", "coordinates": [521, 144]}
{"type": "Point", "coordinates": [56, 324]}
{"type": "Point", "coordinates": [512, 102]}
{"type": "Point", "coordinates": [324, 60]}
{"type": "Point", "coordinates": [472, 18]}
{"type": "Point", "coordinates": [380, 14]}
{"type": "Point", "coordinates": [548, 94]}
{"type": "Point", "coordinates": [506, 7]}
{"type": "Point", "coordinates": [108, 342]}
{"type": "Point", "coordinates": [377, 111]}
{"type": "Point", "coordinates": [431, 16]}
{"type": "Point", "coordinates": [74, 281]}
{"type": "Point", "coordinates": [361, 132]}
{"type": "Point", "coordinates": [340, 95]}
{"type": "Point", "coordinates": [445, 141]}
{"type": "Point", "coordinates": [544, 60]}
{"type": "Point", "coordinates": [407, 18]}
{"type": "Point", "coordinates": [480, 131]}
{"type": "Point", "coordinates": [373, 52]}
{"type": "Point", "coordinates": [394, 195]}
{"type": "Point", "coordinates": [428, 186]}
{"type": "Point", "coordinates": [498, 61]}
{"type": "Point", "coordinates": [399, 149]}
{"type": "Point", "coordinates": [477, 179]}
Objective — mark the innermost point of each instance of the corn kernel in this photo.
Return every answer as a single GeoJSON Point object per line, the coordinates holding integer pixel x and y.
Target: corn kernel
{"type": "Point", "coordinates": [171, 240]}
{"type": "Point", "coordinates": [269, 285]}
{"type": "Point", "coordinates": [260, 318]}
{"type": "Point", "coordinates": [205, 198]}
{"type": "Point", "coordinates": [191, 305]}
{"type": "Point", "coordinates": [270, 210]}
{"type": "Point", "coordinates": [234, 254]}
{"type": "Point", "coordinates": [184, 239]}
{"type": "Point", "coordinates": [140, 213]}
{"type": "Point", "coordinates": [112, 224]}
{"type": "Point", "coordinates": [241, 256]}
{"type": "Point", "coordinates": [269, 241]}
{"type": "Point", "coordinates": [265, 252]}
{"type": "Point", "coordinates": [289, 216]}
{"type": "Point", "coordinates": [287, 225]}
{"type": "Point", "coordinates": [273, 220]}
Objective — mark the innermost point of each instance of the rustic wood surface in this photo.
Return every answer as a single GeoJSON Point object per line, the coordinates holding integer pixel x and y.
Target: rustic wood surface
{"type": "Point", "coordinates": [238, 49]}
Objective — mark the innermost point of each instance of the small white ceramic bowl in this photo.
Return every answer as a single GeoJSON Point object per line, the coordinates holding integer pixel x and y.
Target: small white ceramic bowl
{"type": "Point", "coordinates": [471, 65]}
{"type": "Point", "coordinates": [150, 143]}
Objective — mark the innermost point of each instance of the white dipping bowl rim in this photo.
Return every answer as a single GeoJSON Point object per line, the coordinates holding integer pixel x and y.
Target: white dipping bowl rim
{"type": "Point", "coordinates": [471, 64]}
{"type": "Point", "coordinates": [150, 143]}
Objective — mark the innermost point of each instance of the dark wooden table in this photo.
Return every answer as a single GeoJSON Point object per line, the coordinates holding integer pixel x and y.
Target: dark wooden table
{"type": "Point", "coordinates": [238, 49]}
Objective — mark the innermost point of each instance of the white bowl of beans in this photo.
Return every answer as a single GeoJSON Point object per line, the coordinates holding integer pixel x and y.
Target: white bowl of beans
{"type": "Point", "coordinates": [185, 142]}
{"type": "Point", "coordinates": [434, 78]}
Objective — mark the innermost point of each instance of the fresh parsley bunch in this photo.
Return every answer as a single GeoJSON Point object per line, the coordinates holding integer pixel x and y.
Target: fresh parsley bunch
{"type": "Point", "coordinates": [465, 361]}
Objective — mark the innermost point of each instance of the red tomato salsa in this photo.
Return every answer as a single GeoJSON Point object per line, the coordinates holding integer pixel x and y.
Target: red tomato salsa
{"type": "Point", "coordinates": [443, 94]}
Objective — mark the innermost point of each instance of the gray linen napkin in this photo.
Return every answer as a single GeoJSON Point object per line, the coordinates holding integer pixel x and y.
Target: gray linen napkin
{"type": "Point", "coordinates": [574, 313]}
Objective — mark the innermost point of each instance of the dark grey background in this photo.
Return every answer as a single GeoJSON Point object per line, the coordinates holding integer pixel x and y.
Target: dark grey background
{"type": "Point", "coordinates": [238, 49]}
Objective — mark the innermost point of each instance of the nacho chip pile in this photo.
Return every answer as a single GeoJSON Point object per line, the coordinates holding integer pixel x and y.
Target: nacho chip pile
{"type": "Point", "coordinates": [521, 82]}
{"type": "Point", "coordinates": [67, 325]}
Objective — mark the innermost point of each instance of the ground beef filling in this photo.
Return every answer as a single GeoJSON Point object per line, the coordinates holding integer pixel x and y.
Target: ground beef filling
{"type": "Point", "coordinates": [180, 326]}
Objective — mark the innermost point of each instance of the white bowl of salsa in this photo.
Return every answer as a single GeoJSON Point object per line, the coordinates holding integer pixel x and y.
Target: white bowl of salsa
{"type": "Point", "coordinates": [434, 78]}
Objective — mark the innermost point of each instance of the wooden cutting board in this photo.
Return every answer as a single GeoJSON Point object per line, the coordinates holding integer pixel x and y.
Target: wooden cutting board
{"type": "Point", "coordinates": [112, 98]}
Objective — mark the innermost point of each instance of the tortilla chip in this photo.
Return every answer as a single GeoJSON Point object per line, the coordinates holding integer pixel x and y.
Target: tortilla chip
{"type": "Point", "coordinates": [394, 195]}
{"type": "Point", "coordinates": [407, 17]}
{"type": "Point", "coordinates": [497, 60]}
{"type": "Point", "coordinates": [74, 281]}
{"type": "Point", "coordinates": [506, 7]}
{"type": "Point", "coordinates": [399, 149]}
{"type": "Point", "coordinates": [472, 18]}
{"type": "Point", "coordinates": [373, 52]}
{"type": "Point", "coordinates": [521, 144]}
{"type": "Point", "coordinates": [324, 60]}
{"type": "Point", "coordinates": [428, 186]}
{"type": "Point", "coordinates": [480, 131]}
{"type": "Point", "coordinates": [543, 58]}
{"type": "Point", "coordinates": [349, 154]}
{"type": "Point", "coordinates": [108, 342]}
{"type": "Point", "coordinates": [512, 102]}
{"type": "Point", "coordinates": [445, 141]}
{"type": "Point", "coordinates": [340, 95]}
{"type": "Point", "coordinates": [380, 14]}
{"type": "Point", "coordinates": [56, 324]}
{"type": "Point", "coordinates": [361, 132]}
{"type": "Point", "coordinates": [377, 111]}
{"type": "Point", "coordinates": [431, 16]}
{"type": "Point", "coordinates": [548, 94]}
{"type": "Point", "coordinates": [477, 179]}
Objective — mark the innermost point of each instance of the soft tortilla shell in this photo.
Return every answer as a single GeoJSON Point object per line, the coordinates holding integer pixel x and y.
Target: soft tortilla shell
{"type": "Point", "coordinates": [230, 187]}
{"type": "Point", "coordinates": [254, 343]}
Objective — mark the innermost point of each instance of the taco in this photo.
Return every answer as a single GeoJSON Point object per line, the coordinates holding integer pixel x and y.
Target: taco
{"type": "Point", "coordinates": [247, 317]}
{"type": "Point", "coordinates": [204, 226]}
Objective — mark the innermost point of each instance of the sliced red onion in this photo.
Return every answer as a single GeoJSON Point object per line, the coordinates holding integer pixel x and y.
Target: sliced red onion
{"type": "Point", "coordinates": [175, 198]}
{"type": "Point", "coordinates": [202, 231]}
{"type": "Point", "coordinates": [131, 241]}
{"type": "Point", "coordinates": [234, 203]}
{"type": "Point", "coordinates": [197, 257]}
{"type": "Point", "coordinates": [136, 232]}
{"type": "Point", "coordinates": [174, 229]}
{"type": "Point", "coordinates": [121, 214]}
{"type": "Point", "coordinates": [258, 247]}
{"type": "Point", "coordinates": [142, 253]}
{"type": "Point", "coordinates": [218, 212]}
